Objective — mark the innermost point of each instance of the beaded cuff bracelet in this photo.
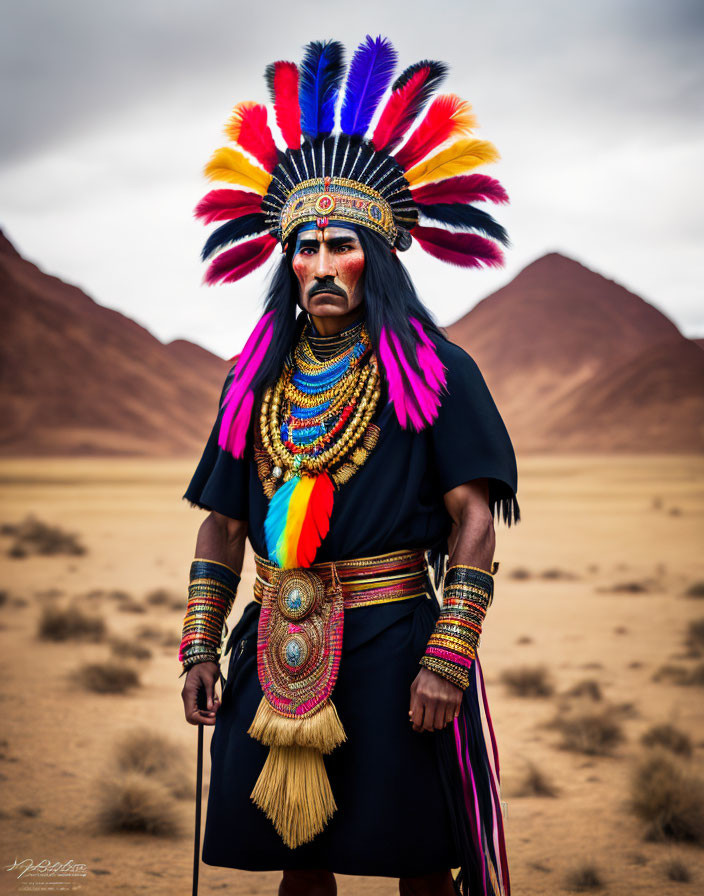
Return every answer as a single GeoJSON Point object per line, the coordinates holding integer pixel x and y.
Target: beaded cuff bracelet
{"type": "Point", "coordinates": [467, 594]}
{"type": "Point", "coordinates": [211, 593]}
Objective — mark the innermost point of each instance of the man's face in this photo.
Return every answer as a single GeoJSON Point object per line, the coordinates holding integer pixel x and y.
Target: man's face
{"type": "Point", "coordinates": [329, 265]}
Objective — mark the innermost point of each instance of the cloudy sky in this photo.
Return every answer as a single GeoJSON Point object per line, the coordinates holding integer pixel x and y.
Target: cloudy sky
{"type": "Point", "coordinates": [109, 112]}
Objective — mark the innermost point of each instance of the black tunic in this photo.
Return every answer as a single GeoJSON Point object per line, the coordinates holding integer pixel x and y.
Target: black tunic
{"type": "Point", "coordinates": [392, 819]}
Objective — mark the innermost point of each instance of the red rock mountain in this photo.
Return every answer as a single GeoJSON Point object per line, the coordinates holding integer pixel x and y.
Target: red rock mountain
{"type": "Point", "coordinates": [576, 362]}
{"type": "Point", "coordinates": [78, 378]}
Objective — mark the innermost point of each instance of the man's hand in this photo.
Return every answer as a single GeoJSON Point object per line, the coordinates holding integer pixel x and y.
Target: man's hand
{"type": "Point", "coordinates": [202, 675]}
{"type": "Point", "coordinates": [435, 701]}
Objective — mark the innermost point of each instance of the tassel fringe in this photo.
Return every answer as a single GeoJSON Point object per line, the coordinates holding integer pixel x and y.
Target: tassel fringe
{"type": "Point", "coordinates": [321, 731]}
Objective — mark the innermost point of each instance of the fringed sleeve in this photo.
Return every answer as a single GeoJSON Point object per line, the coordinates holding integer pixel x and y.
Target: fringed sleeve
{"type": "Point", "coordinates": [221, 481]}
{"type": "Point", "coordinates": [469, 438]}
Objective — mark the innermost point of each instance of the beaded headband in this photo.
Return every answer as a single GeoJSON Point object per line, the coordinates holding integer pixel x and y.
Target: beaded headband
{"type": "Point", "coordinates": [413, 166]}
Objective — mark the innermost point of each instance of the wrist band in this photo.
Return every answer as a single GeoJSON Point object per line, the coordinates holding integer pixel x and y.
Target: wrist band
{"type": "Point", "coordinates": [211, 594]}
{"type": "Point", "coordinates": [467, 594]}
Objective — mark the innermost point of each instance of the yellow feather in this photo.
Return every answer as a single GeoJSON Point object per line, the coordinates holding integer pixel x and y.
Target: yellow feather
{"type": "Point", "coordinates": [234, 125]}
{"type": "Point", "coordinates": [294, 521]}
{"type": "Point", "coordinates": [230, 165]}
{"type": "Point", "coordinates": [460, 157]}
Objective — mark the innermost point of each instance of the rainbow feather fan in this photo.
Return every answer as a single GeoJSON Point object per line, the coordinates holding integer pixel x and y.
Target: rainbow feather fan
{"type": "Point", "coordinates": [298, 519]}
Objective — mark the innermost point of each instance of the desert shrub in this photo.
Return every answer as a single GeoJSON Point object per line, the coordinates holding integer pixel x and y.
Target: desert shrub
{"type": "Point", "coordinates": [590, 731]}
{"type": "Point", "coordinates": [675, 869]}
{"type": "Point", "coordinates": [696, 589]}
{"type": "Point", "coordinates": [162, 597]}
{"type": "Point", "coordinates": [3, 597]}
{"type": "Point", "coordinates": [161, 637]}
{"type": "Point", "coordinates": [129, 605]}
{"type": "Point", "coordinates": [585, 876]}
{"type": "Point", "coordinates": [69, 623]}
{"type": "Point", "coordinates": [669, 737]}
{"type": "Point", "coordinates": [135, 803]}
{"type": "Point", "coordinates": [534, 782]}
{"type": "Point", "coordinates": [154, 756]}
{"type": "Point", "coordinates": [668, 796]}
{"type": "Point", "coordinates": [628, 588]}
{"type": "Point", "coordinates": [528, 681]}
{"type": "Point", "coordinates": [109, 677]}
{"type": "Point", "coordinates": [32, 536]}
{"type": "Point", "coordinates": [681, 674]}
{"type": "Point", "coordinates": [695, 635]}
{"type": "Point", "coordinates": [524, 639]}
{"type": "Point", "coordinates": [557, 574]}
{"type": "Point", "coordinates": [588, 687]}
{"type": "Point", "coordinates": [129, 649]}
{"type": "Point", "coordinates": [520, 573]}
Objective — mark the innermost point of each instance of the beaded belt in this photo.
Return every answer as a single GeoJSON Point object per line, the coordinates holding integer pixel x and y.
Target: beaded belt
{"type": "Point", "coordinates": [382, 579]}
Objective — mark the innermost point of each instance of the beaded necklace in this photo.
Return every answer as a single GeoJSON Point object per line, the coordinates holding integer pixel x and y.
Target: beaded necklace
{"type": "Point", "coordinates": [314, 433]}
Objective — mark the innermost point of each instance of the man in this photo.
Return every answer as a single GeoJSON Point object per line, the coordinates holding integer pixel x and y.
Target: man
{"type": "Point", "coordinates": [352, 438]}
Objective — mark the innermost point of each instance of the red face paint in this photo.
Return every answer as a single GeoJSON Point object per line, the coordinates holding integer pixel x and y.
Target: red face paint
{"type": "Point", "coordinates": [331, 257]}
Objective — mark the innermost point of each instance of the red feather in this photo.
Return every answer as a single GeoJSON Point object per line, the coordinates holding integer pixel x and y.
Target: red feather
{"type": "Point", "coordinates": [224, 205]}
{"type": "Point", "coordinates": [468, 250]}
{"type": "Point", "coordinates": [448, 116]}
{"type": "Point", "coordinates": [239, 261]}
{"type": "Point", "coordinates": [401, 109]}
{"type": "Point", "coordinates": [316, 521]}
{"type": "Point", "coordinates": [285, 95]}
{"type": "Point", "coordinates": [464, 188]}
{"type": "Point", "coordinates": [249, 129]}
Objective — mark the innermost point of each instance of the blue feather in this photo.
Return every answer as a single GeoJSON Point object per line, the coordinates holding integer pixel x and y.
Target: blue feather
{"type": "Point", "coordinates": [370, 73]}
{"type": "Point", "coordinates": [275, 521]}
{"type": "Point", "coordinates": [319, 79]}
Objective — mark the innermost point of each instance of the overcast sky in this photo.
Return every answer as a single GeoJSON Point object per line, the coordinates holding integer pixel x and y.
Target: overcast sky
{"type": "Point", "coordinates": [110, 111]}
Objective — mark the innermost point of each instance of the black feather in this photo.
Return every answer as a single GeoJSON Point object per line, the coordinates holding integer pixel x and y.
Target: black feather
{"type": "Point", "coordinates": [233, 231]}
{"type": "Point", "coordinates": [465, 217]}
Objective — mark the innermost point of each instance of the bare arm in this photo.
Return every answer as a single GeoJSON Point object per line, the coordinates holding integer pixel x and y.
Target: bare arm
{"type": "Point", "coordinates": [435, 701]}
{"type": "Point", "coordinates": [221, 539]}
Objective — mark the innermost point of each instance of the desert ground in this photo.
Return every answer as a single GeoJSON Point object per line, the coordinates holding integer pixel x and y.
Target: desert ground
{"type": "Point", "coordinates": [591, 597]}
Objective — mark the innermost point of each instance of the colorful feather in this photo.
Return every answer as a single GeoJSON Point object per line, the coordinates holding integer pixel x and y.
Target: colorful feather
{"type": "Point", "coordinates": [282, 80]}
{"type": "Point", "coordinates": [467, 250]}
{"type": "Point", "coordinates": [230, 165]}
{"type": "Point", "coordinates": [232, 264]}
{"type": "Point", "coordinates": [428, 360]}
{"type": "Point", "coordinates": [238, 403]}
{"type": "Point", "coordinates": [410, 92]}
{"type": "Point", "coordinates": [465, 188]}
{"type": "Point", "coordinates": [319, 83]}
{"type": "Point", "coordinates": [414, 398]}
{"type": "Point", "coordinates": [297, 520]}
{"type": "Point", "coordinates": [234, 231]}
{"type": "Point", "coordinates": [465, 217]}
{"type": "Point", "coordinates": [456, 159]}
{"type": "Point", "coordinates": [448, 116]}
{"type": "Point", "coordinates": [370, 73]}
{"type": "Point", "coordinates": [224, 205]}
{"type": "Point", "coordinates": [248, 127]}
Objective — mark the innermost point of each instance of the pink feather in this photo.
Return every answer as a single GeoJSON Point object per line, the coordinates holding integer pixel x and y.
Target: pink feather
{"type": "Point", "coordinates": [239, 401]}
{"type": "Point", "coordinates": [464, 188]}
{"type": "Point", "coordinates": [415, 399]}
{"type": "Point", "coordinates": [286, 106]}
{"type": "Point", "coordinates": [467, 250]}
{"type": "Point", "coordinates": [224, 205]}
{"type": "Point", "coordinates": [428, 361]}
{"type": "Point", "coordinates": [231, 265]}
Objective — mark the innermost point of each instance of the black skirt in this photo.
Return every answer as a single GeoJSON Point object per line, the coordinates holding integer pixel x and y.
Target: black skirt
{"type": "Point", "coordinates": [392, 818]}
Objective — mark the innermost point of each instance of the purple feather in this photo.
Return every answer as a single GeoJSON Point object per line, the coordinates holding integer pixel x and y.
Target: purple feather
{"type": "Point", "coordinates": [370, 73]}
{"type": "Point", "coordinates": [320, 75]}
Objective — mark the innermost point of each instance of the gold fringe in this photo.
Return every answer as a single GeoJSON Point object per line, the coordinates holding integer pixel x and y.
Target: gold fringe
{"type": "Point", "coordinates": [322, 731]}
{"type": "Point", "coordinates": [294, 792]}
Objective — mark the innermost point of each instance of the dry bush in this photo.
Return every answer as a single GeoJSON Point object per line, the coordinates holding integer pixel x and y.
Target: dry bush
{"type": "Point", "coordinates": [520, 573]}
{"type": "Point", "coordinates": [669, 737]}
{"type": "Point", "coordinates": [151, 754]}
{"type": "Point", "coordinates": [557, 574]}
{"type": "Point", "coordinates": [130, 605]}
{"type": "Point", "coordinates": [585, 876]}
{"type": "Point", "coordinates": [675, 869]}
{"type": "Point", "coordinates": [534, 782]}
{"type": "Point", "coordinates": [524, 639]}
{"type": "Point", "coordinates": [69, 623]}
{"type": "Point", "coordinates": [134, 803]}
{"type": "Point", "coordinates": [588, 730]}
{"type": "Point", "coordinates": [681, 674]}
{"type": "Point", "coordinates": [627, 588]}
{"type": "Point", "coordinates": [696, 589]}
{"type": "Point", "coordinates": [3, 597]}
{"type": "Point", "coordinates": [528, 681]}
{"type": "Point", "coordinates": [588, 687]}
{"type": "Point", "coordinates": [109, 677]}
{"type": "Point", "coordinates": [668, 796]}
{"type": "Point", "coordinates": [161, 637]}
{"type": "Point", "coordinates": [32, 536]}
{"type": "Point", "coordinates": [124, 647]}
{"type": "Point", "coordinates": [695, 635]}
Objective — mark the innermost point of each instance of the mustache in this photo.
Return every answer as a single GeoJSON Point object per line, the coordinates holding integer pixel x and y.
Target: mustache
{"type": "Point", "coordinates": [327, 287]}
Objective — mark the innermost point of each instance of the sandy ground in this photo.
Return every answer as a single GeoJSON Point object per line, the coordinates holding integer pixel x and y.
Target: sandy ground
{"type": "Point", "coordinates": [600, 520]}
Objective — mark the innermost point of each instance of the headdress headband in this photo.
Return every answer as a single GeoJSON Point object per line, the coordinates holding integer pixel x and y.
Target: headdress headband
{"type": "Point", "coordinates": [389, 181]}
